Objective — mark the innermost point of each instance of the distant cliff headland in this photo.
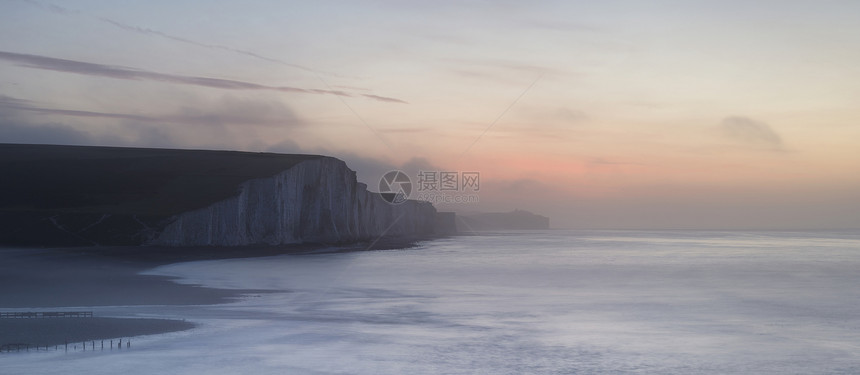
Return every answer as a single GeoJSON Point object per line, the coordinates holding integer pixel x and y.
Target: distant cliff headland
{"type": "Point", "coordinates": [86, 196]}
{"type": "Point", "coordinates": [514, 220]}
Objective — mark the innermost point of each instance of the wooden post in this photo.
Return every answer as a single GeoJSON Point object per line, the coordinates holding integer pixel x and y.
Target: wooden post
{"type": "Point", "coordinates": [67, 346]}
{"type": "Point", "coordinates": [103, 344]}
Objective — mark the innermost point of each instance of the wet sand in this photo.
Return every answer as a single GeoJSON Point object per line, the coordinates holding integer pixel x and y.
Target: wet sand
{"type": "Point", "coordinates": [17, 333]}
{"type": "Point", "coordinates": [72, 279]}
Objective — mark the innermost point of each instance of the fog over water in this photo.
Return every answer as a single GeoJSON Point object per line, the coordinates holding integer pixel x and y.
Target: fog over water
{"type": "Point", "coordinates": [571, 302]}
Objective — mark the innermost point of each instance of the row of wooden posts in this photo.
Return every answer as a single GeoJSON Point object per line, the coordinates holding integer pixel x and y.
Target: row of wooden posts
{"type": "Point", "coordinates": [46, 314]}
{"type": "Point", "coordinates": [8, 348]}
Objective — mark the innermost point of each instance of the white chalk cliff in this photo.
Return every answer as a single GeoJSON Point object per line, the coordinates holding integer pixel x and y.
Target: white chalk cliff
{"type": "Point", "coordinates": [316, 200]}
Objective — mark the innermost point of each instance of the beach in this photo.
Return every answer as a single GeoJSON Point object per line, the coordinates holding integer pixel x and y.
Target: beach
{"type": "Point", "coordinates": [53, 332]}
{"type": "Point", "coordinates": [548, 302]}
{"type": "Point", "coordinates": [78, 279]}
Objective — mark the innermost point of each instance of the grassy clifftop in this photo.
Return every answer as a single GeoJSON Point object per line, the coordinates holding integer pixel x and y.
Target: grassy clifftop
{"type": "Point", "coordinates": [82, 196]}
{"type": "Point", "coordinates": [115, 180]}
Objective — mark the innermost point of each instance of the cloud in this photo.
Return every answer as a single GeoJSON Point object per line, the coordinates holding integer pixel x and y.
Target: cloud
{"type": "Point", "coordinates": [521, 187]}
{"type": "Point", "coordinates": [11, 132]}
{"type": "Point", "coordinates": [52, 8]}
{"type": "Point", "coordinates": [119, 72]}
{"type": "Point", "coordinates": [570, 116]}
{"type": "Point", "coordinates": [230, 110]}
{"type": "Point", "coordinates": [405, 130]}
{"type": "Point", "coordinates": [228, 123]}
{"type": "Point", "coordinates": [564, 26]}
{"type": "Point", "coordinates": [368, 170]}
{"type": "Point", "coordinates": [499, 71]}
{"type": "Point", "coordinates": [417, 164]}
{"type": "Point", "coordinates": [148, 31]}
{"type": "Point", "coordinates": [7, 103]}
{"type": "Point", "coordinates": [14, 129]}
{"type": "Point", "coordinates": [509, 66]}
{"type": "Point", "coordinates": [354, 88]}
{"type": "Point", "coordinates": [160, 34]}
{"type": "Point", "coordinates": [552, 124]}
{"type": "Point", "coordinates": [383, 98]}
{"type": "Point", "coordinates": [749, 131]}
{"type": "Point", "coordinates": [227, 111]}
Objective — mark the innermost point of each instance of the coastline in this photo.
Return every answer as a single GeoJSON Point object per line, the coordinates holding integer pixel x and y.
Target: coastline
{"type": "Point", "coordinates": [78, 278]}
{"type": "Point", "coordinates": [51, 332]}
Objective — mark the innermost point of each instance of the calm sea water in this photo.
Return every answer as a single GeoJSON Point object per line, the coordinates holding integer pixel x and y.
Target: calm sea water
{"type": "Point", "coordinates": [547, 302]}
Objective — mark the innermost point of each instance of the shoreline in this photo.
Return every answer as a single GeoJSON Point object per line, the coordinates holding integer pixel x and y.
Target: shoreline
{"type": "Point", "coordinates": [84, 277]}
{"type": "Point", "coordinates": [51, 332]}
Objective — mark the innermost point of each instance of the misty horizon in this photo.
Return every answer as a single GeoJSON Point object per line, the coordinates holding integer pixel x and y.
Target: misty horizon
{"type": "Point", "coordinates": [663, 117]}
{"type": "Point", "coordinates": [445, 187]}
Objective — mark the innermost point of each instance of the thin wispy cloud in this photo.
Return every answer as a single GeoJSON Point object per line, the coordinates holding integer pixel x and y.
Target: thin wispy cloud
{"type": "Point", "coordinates": [405, 130]}
{"type": "Point", "coordinates": [7, 102]}
{"type": "Point", "coordinates": [52, 7]}
{"type": "Point", "coordinates": [506, 65]}
{"type": "Point", "coordinates": [148, 31]}
{"type": "Point", "coordinates": [749, 131]}
{"type": "Point", "coordinates": [383, 98]}
{"type": "Point", "coordinates": [564, 26]}
{"type": "Point", "coordinates": [353, 88]}
{"type": "Point", "coordinates": [120, 72]}
{"type": "Point", "coordinates": [228, 111]}
{"type": "Point", "coordinates": [209, 82]}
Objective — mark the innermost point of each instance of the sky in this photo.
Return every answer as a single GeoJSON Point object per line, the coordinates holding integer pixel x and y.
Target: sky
{"type": "Point", "coordinates": [609, 114]}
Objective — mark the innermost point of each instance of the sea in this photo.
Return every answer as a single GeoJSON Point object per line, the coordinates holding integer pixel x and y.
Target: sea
{"type": "Point", "coordinates": [529, 302]}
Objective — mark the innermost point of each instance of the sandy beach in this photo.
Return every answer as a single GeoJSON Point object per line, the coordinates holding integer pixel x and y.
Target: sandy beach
{"type": "Point", "coordinates": [51, 332]}
{"type": "Point", "coordinates": [73, 279]}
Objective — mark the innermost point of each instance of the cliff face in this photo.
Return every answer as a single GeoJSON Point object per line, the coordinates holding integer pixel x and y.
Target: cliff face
{"type": "Point", "coordinates": [86, 196]}
{"type": "Point", "coordinates": [314, 201]}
